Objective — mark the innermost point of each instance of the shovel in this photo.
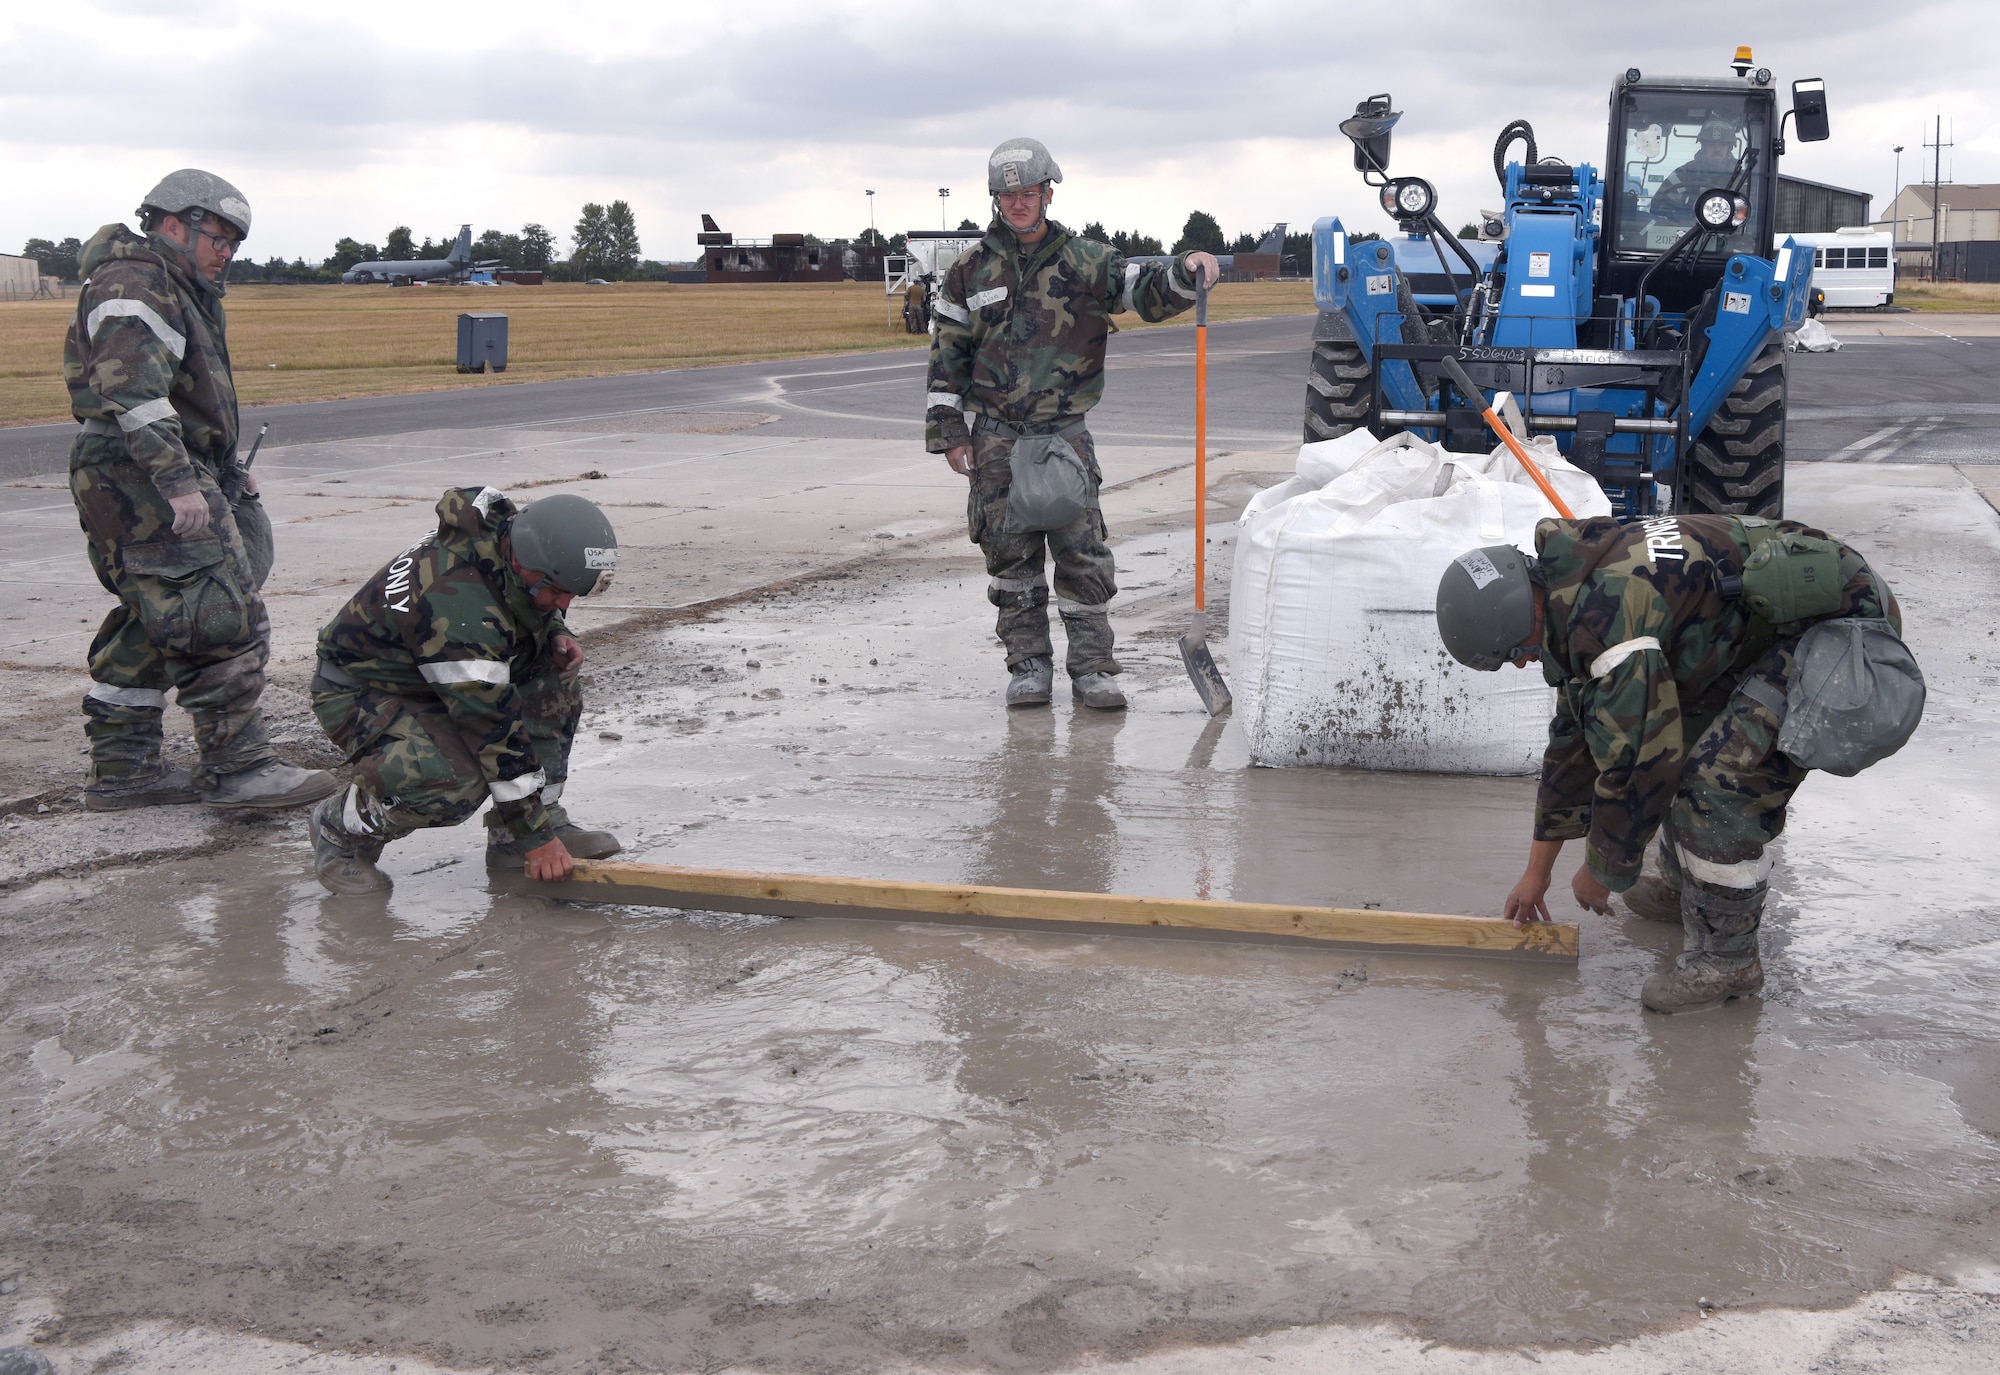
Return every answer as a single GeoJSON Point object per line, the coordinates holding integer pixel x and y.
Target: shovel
{"type": "Point", "coordinates": [1477, 397]}
{"type": "Point", "coordinates": [1194, 645]}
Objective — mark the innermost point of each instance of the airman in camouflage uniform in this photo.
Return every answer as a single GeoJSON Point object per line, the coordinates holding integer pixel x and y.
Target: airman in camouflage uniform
{"type": "Point", "coordinates": [450, 677]}
{"type": "Point", "coordinates": [153, 471]}
{"type": "Point", "coordinates": [1021, 324]}
{"type": "Point", "coordinates": [1670, 695]}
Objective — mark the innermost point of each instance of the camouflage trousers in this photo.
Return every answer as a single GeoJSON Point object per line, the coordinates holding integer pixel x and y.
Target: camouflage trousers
{"type": "Point", "coordinates": [1731, 804]}
{"type": "Point", "coordinates": [189, 618]}
{"type": "Point", "coordinates": [1085, 578]}
{"type": "Point", "coordinates": [415, 768]}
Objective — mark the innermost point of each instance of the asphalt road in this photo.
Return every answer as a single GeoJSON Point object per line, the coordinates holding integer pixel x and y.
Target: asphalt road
{"type": "Point", "coordinates": [1901, 399]}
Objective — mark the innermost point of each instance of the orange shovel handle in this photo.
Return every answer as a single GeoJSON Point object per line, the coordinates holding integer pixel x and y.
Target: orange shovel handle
{"type": "Point", "coordinates": [1200, 441]}
{"type": "Point", "coordinates": [1499, 427]}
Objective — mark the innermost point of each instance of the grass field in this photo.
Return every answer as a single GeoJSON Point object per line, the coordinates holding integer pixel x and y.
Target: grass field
{"type": "Point", "coordinates": [314, 343]}
{"type": "Point", "coordinates": [1964, 298]}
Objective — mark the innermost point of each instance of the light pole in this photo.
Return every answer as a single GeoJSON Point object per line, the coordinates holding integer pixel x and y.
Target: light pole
{"type": "Point", "coordinates": [943, 193]}
{"type": "Point", "coordinates": [871, 217]}
{"type": "Point", "coordinates": [1896, 191]}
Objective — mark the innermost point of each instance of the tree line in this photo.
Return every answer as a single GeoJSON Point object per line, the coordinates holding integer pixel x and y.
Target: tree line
{"type": "Point", "coordinates": [604, 244]}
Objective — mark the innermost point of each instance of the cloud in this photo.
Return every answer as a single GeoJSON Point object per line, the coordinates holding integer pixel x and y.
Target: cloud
{"type": "Point", "coordinates": [777, 116]}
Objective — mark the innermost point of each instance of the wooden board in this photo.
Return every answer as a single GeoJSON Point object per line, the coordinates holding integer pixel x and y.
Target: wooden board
{"type": "Point", "coordinates": [788, 895]}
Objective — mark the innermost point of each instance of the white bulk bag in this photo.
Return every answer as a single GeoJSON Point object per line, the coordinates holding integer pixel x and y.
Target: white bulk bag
{"type": "Point", "coordinates": [1333, 646]}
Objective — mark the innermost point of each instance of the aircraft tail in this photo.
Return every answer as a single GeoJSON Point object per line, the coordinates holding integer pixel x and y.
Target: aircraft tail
{"type": "Point", "coordinates": [709, 226]}
{"type": "Point", "coordinates": [1274, 242]}
{"type": "Point", "coordinates": [461, 250]}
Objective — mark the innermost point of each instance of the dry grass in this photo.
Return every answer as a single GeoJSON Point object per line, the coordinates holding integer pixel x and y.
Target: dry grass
{"type": "Point", "coordinates": [1961, 298]}
{"type": "Point", "coordinates": [315, 343]}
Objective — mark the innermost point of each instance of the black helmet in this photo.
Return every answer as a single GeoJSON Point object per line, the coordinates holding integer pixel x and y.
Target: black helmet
{"type": "Point", "coordinates": [569, 540]}
{"type": "Point", "coordinates": [193, 189]}
{"type": "Point", "coordinates": [1486, 606]}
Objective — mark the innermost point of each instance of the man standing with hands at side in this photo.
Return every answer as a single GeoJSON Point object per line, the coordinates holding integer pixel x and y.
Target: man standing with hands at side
{"type": "Point", "coordinates": [1022, 320]}
{"type": "Point", "coordinates": [154, 474]}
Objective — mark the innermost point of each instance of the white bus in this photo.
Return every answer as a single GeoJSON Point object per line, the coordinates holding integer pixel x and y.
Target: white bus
{"type": "Point", "coordinates": [1856, 268]}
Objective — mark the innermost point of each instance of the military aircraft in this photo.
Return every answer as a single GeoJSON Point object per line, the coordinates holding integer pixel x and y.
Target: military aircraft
{"type": "Point", "coordinates": [455, 266]}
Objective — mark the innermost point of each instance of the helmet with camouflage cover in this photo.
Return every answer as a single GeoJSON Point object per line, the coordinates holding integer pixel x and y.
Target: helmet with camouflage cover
{"type": "Point", "coordinates": [569, 541]}
{"type": "Point", "coordinates": [1716, 129]}
{"type": "Point", "coordinates": [1486, 606]}
{"type": "Point", "coordinates": [1020, 162]}
{"type": "Point", "coordinates": [193, 189]}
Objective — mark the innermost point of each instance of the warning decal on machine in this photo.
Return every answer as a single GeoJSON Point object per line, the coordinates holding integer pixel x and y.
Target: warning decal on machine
{"type": "Point", "coordinates": [1381, 284]}
{"type": "Point", "coordinates": [1538, 264]}
{"type": "Point", "coordinates": [1736, 302]}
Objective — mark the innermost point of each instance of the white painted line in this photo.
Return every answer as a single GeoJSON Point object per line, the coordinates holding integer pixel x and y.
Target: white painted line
{"type": "Point", "coordinates": [1875, 438]}
{"type": "Point", "coordinates": [1941, 334]}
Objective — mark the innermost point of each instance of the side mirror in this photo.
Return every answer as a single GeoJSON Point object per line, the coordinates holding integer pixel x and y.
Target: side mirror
{"type": "Point", "coordinates": [1369, 129]}
{"type": "Point", "coordinates": [1809, 110]}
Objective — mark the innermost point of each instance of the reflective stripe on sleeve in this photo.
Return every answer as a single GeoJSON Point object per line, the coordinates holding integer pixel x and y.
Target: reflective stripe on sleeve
{"type": "Point", "coordinates": [1611, 658]}
{"type": "Point", "coordinates": [139, 417]}
{"type": "Point", "coordinates": [979, 300]}
{"type": "Point", "coordinates": [127, 696]}
{"type": "Point", "coordinates": [944, 398]}
{"type": "Point", "coordinates": [1174, 281]}
{"type": "Point", "coordinates": [1746, 873]}
{"type": "Point", "coordinates": [514, 789]}
{"type": "Point", "coordinates": [952, 312]}
{"type": "Point", "coordinates": [1131, 280]}
{"type": "Point", "coordinates": [175, 341]}
{"type": "Point", "coordinates": [552, 794]}
{"type": "Point", "coordinates": [466, 671]}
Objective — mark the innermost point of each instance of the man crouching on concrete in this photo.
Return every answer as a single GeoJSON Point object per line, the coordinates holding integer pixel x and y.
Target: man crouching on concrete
{"type": "Point", "coordinates": [451, 677]}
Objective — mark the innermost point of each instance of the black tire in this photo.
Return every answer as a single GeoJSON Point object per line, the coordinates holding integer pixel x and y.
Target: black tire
{"type": "Point", "coordinates": [1736, 466]}
{"type": "Point", "coordinates": [1338, 397]}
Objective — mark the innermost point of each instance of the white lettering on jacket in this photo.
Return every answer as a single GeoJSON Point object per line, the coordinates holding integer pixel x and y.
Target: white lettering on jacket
{"type": "Point", "coordinates": [397, 584]}
{"type": "Point", "coordinates": [1663, 539]}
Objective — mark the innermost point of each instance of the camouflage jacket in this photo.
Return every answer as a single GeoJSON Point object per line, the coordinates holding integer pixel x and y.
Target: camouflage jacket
{"type": "Point", "coordinates": [1641, 642]}
{"type": "Point", "coordinates": [1020, 334]}
{"type": "Point", "coordinates": [146, 352]}
{"type": "Point", "coordinates": [450, 619]}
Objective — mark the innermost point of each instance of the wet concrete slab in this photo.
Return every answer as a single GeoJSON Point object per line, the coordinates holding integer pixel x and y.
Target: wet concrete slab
{"type": "Point", "coordinates": [490, 1130]}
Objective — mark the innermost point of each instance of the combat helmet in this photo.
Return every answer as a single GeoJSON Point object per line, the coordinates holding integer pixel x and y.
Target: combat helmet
{"type": "Point", "coordinates": [1486, 605]}
{"type": "Point", "coordinates": [566, 540]}
{"type": "Point", "coordinates": [1017, 163]}
{"type": "Point", "coordinates": [193, 189]}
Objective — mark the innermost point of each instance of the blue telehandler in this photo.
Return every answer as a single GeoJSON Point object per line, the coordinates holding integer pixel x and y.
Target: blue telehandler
{"type": "Point", "coordinates": [1636, 314]}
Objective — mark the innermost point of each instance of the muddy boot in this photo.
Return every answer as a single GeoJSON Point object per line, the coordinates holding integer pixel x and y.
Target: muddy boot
{"type": "Point", "coordinates": [1698, 981]}
{"type": "Point", "coordinates": [1654, 900]}
{"type": "Point", "coordinates": [1720, 959]}
{"type": "Point", "coordinates": [270, 786]}
{"type": "Point", "coordinates": [1098, 690]}
{"type": "Point", "coordinates": [163, 786]}
{"type": "Point", "coordinates": [503, 853]}
{"type": "Point", "coordinates": [1032, 683]}
{"type": "Point", "coordinates": [24, 1360]}
{"type": "Point", "coordinates": [344, 862]}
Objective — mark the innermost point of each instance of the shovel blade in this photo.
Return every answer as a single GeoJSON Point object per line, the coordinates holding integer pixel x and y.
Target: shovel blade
{"type": "Point", "coordinates": [1207, 678]}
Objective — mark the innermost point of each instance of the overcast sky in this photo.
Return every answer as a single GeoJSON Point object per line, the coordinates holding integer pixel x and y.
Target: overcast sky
{"type": "Point", "coordinates": [776, 115]}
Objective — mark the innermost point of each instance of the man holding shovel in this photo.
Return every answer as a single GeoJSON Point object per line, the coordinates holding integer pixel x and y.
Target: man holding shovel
{"type": "Point", "coordinates": [1017, 361]}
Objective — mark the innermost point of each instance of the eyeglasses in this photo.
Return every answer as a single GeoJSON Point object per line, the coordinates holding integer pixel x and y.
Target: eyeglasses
{"type": "Point", "coordinates": [1025, 193]}
{"type": "Point", "coordinates": [224, 245]}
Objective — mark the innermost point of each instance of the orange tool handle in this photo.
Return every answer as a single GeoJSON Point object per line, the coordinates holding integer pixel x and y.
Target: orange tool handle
{"type": "Point", "coordinates": [1200, 441]}
{"type": "Point", "coordinates": [1499, 427]}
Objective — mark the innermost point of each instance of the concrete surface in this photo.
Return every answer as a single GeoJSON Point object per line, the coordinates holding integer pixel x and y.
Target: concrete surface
{"type": "Point", "coordinates": [467, 1128]}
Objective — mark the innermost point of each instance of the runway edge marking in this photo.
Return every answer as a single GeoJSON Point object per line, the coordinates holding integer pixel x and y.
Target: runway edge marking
{"type": "Point", "coordinates": [949, 903]}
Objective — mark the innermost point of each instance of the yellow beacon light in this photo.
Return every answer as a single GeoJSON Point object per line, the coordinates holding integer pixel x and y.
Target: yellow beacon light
{"type": "Point", "coordinates": [1743, 60]}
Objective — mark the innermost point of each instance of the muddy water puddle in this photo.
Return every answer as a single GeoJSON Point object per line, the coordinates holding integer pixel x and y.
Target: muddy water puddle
{"type": "Point", "coordinates": [523, 1132]}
